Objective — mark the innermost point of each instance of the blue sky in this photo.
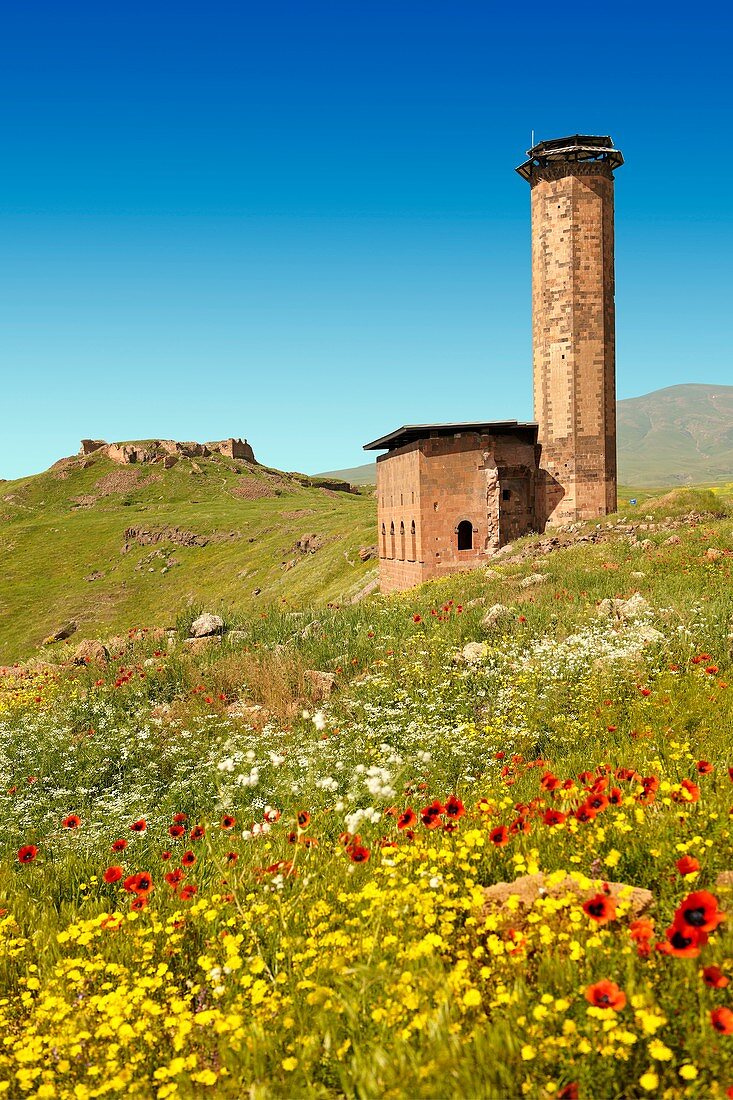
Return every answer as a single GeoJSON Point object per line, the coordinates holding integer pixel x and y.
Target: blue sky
{"type": "Point", "coordinates": [300, 222]}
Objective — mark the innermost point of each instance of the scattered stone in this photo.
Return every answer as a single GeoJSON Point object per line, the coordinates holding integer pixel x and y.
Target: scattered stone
{"type": "Point", "coordinates": [89, 446]}
{"type": "Point", "coordinates": [95, 576]}
{"type": "Point", "coordinates": [495, 614]}
{"type": "Point", "coordinates": [61, 634]}
{"type": "Point", "coordinates": [322, 684]}
{"type": "Point", "coordinates": [237, 637]}
{"type": "Point", "coordinates": [532, 580]}
{"type": "Point", "coordinates": [312, 628]}
{"type": "Point", "coordinates": [638, 575]}
{"type": "Point", "coordinates": [200, 645]}
{"type": "Point", "coordinates": [473, 652]}
{"type": "Point", "coordinates": [366, 553]}
{"type": "Point", "coordinates": [309, 543]}
{"type": "Point", "coordinates": [646, 544]}
{"type": "Point", "coordinates": [673, 540]}
{"type": "Point", "coordinates": [91, 652]}
{"type": "Point", "coordinates": [528, 888]}
{"type": "Point", "coordinates": [206, 625]}
{"type": "Point", "coordinates": [256, 591]}
{"type": "Point", "coordinates": [623, 610]}
{"type": "Point", "coordinates": [713, 554]}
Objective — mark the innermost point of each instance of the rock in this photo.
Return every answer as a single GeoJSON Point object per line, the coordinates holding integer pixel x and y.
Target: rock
{"type": "Point", "coordinates": [311, 629]}
{"type": "Point", "coordinates": [322, 684]}
{"type": "Point", "coordinates": [95, 576]}
{"type": "Point", "coordinates": [309, 543]}
{"type": "Point", "coordinates": [473, 652]}
{"type": "Point", "coordinates": [91, 652]}
{"type": "Point", "coordinates": [237, 637]}
{"type": "Point", "coordinates": [366, 553]}
{"type": "Point", "coordinates": [638, 575]}
{"type": "Point", "coordinates": [290, 564]}
{"type": "Point", "coordinates": [646, 544]}
{"type": "Point", "coordinates": [713, 554]}
{"type": "Point", "coordinates": [61, 634]}
{"type": "Point", "coordinates": [532, 580]}
{"type": "Point", "coordinates": [256, 591]}
{"type": "Point", "coordinates": [528, 888]}
{"type": "Point", "coordinates": [648, 635]}
{"type": "Point", "coordinates": [624, 610]}
{"type": "Point", "coordinates": [206, 625]}
{"type": "Point", "coordinates": [89, 446]}
{"type": "Point", "coordinates": [200, 645]}
{"type": "Point", "coordinates": [673, 540]}
{"type": "Point", "coordinates": [495, 614]}
{"type": "Point", "coordinates": [169, 461]}
{"type": "Point", "coordinates": [724, 881]}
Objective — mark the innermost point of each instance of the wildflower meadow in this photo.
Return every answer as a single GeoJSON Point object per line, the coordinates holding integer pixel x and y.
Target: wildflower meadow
{"type": "Point", "coordinates": [216, 881]}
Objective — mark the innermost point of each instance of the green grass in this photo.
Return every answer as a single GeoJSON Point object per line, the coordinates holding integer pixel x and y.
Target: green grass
{"type": "Point", "coordinates": [49, 545]}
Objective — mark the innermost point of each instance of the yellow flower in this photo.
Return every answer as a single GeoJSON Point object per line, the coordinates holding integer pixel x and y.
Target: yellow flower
{"type": "Point", "coordinates": [658, 1050]}
{"type": "Point", "coordinates": [471, 998]}
{"type": "Point", "coordinates": [528, 1053]}
{"type": "Point", "coordinates": [688, 1072]}
{"type": "Point", "coordinates": [289, 1064]}
{"type": "Point", "coordinates": [649, 1081]}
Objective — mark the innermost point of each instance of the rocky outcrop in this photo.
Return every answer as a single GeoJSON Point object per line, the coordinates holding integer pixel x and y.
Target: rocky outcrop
{"type": "Point", "coordinates": [309, 543]}
{"type": "Point", "coordinates": [91, 652]}
{"type": "Point", "coordinates": [528, 888]}
{"type": "Point", "coordinates": [495, 615]}
{"type": "Point", "coordinates": [321, 684]}
{"type": "Point", "coordinates": [624, 610]}
{"type": "Point", "coordinates": [165, 450]}
{"type": "Point", "coordinates": [206, 625]}
{"type": "Point", "coordinates": [61, 634]}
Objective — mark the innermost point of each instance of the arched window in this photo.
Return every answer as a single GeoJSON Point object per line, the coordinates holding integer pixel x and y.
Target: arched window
{"type": "Point", "coordinates": [402, 540]}
{"type": "Point", "coordinates": [465, 535]}
{"type": "Point", "coordinates": [391, 539]}
{"type": "Point", "coordinates": [384, 541]}
{"type": "Point", "coordinates": [413, 542]}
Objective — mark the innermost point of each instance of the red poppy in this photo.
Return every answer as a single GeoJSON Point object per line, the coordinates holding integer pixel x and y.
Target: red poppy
{"type": "Point", "coordinates": [176, 830]}
{"type": "Point", "coordinates": [139, 826]}
{"type": "Point", "coordinates": [499, 836]}
{"type": "Point", "coordinates": [554, 817]}
{"type": "Point", "coordinates": [722, 1020]}
{"type": "Point", "coordinates": [179, 818]}
{"type": "Point", "coordinates": [687, 865]}
{"type": "Point", "coordinates": [407, 819]}
{"type": "Point", "coordinates": [549, 782]}
{"type": "Point", "coordinates": [166, 855]}
{"type": "Point", "coordinates": [358, 853]}
{"type": "Point", "coordinates": [73, 821]}
{"type": "Point", "coordinates": [197, 832]}
{"type": "Point", "coordinates": [598, 802]}
{"type": "Point", "coordinates": [27, 853]}
{"type": "Point", "coordinates": [704, 767]}
{"type": "Point", "coordinates": [139, 901]}
{"type": "Point", "coordinates": [188, 859]}
{"type": "Point", "coordinates": [228, 822]}
{"type": "Point", "coordinates": [232, 857]}
{"type": "Point", "coordinates": [699, 911]}
{"type": "Point", "coordinates": [112, 874]}
{"type": "Point", "coordinates": [174, 877]}
{"type": "Point", "coordinates": [454, 808]}
{"type": "Point", "coordinates": [569, 1091]}
{"type": "Point", "coordinates": [417, 618]}
{"type": "Point", "coordinates": [141, 883]}
{"type": "Point", "coordinates": [605, 994]}
{"type": "Point", "coordinates": [714, 977]}
{"type": "Point", "coordinates": [641, 930]}
{"type": "Point", "coordinates": [615, 796]}
{"type": "Point", "coordinates": [600, 908]}
{"type": "Point", "coordinates": [585, 813]}
{"type": "Point", "coordinates": [303, 819]}
{"type": "Point", "coordinates": [683, 942]}
{"type": "Point", "coordinates": [119, 845]}
{"type": "Point", "coordinates": [520, 825]}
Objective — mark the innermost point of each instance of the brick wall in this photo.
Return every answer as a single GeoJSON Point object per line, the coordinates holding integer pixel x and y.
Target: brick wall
{"type": "Point", "coordinates": [573, 318]}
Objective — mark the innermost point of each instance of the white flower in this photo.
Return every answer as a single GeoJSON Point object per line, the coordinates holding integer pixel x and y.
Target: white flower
{"type": "Point", "coordinates": [319, 720]}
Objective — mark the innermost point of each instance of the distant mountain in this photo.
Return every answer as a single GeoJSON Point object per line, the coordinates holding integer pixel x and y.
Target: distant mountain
{"type": "Point", "coordinates": [681, 435]}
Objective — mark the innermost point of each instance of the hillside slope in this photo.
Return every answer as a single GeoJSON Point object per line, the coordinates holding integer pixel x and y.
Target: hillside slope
{"type": "Point", "coordinates": [681, 435]}
{"type": "Point", "coordinates": [113, 546]}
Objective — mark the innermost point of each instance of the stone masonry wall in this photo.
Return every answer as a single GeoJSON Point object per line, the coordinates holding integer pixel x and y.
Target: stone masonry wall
{"type": "Point", "coordinates": [573, 318]}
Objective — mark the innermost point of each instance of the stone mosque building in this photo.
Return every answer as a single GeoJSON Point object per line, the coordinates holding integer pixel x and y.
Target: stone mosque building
{"type": "Point", "coordinates": [449, 495]}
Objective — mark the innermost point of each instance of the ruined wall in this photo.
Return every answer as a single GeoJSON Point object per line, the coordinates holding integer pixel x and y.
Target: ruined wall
{"type": "Point", "coordinates": [573, 322]}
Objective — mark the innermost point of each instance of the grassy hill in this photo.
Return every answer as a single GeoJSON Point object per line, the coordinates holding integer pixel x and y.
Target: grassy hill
{"type": "Point", "coordinates": [112, 546]}
{"type": "Point", "coordinates": [681, 435]}
{"type": "Point", "coordinates": [493, 861]}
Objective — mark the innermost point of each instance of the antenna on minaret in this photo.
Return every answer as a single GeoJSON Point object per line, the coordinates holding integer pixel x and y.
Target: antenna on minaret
{"type": "Point", "coordinates": [531, 144]}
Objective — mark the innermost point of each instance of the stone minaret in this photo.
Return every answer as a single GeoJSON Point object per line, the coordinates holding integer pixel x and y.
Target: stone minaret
{"type": "Point", "coordinates": [573, 319]}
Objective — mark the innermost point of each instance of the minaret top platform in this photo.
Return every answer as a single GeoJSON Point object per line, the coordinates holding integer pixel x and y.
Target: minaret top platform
{"type": "Point", "coordinates": [577, 147]}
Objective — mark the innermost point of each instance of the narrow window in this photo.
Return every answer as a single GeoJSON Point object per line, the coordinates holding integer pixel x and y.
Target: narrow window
{"type": "Point", "coordinates": [391, 539]}
{"type": "Point", "coordinates": [402, 540]}
{"type": "Point", "coordinates": [413, 542]}
{"type": "Point", "coordinates": [465, 535]}
{"type": "Point", "coordinates": [506, 494]}
{"type": "Point", "coordinates": [384, 541]}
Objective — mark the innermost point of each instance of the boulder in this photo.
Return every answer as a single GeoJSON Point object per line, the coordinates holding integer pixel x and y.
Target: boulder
{"type": "Point", "coordinates": [366, 553]}
{"type": "Point", "coordinates": [200, 645]}
{"type": "Point", "coordinates": [528, 888]}
{"type": "Point", "coordinates": [206, 625]}
{"type": "Point", "coordinates": [673, 540]}
{"type": "Point", "coordinates": [309, 543]}
{"type": "Point", "coordinates": [91, 652]}
{"type": "Point", "coordinates": [322, 684]}
{"type": "Point", "coordinates": [495, 614]}
{"type": "Point", "coordinates": [713, 554]}
{"type": "Point", "coordinates": [532, 580]}
{"type": "Point", "coordinates": [473, 652]}
{"type": "Point", "coordinates": [61, 634]}
{"type": "Point", "coordinates": [624, 610]}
